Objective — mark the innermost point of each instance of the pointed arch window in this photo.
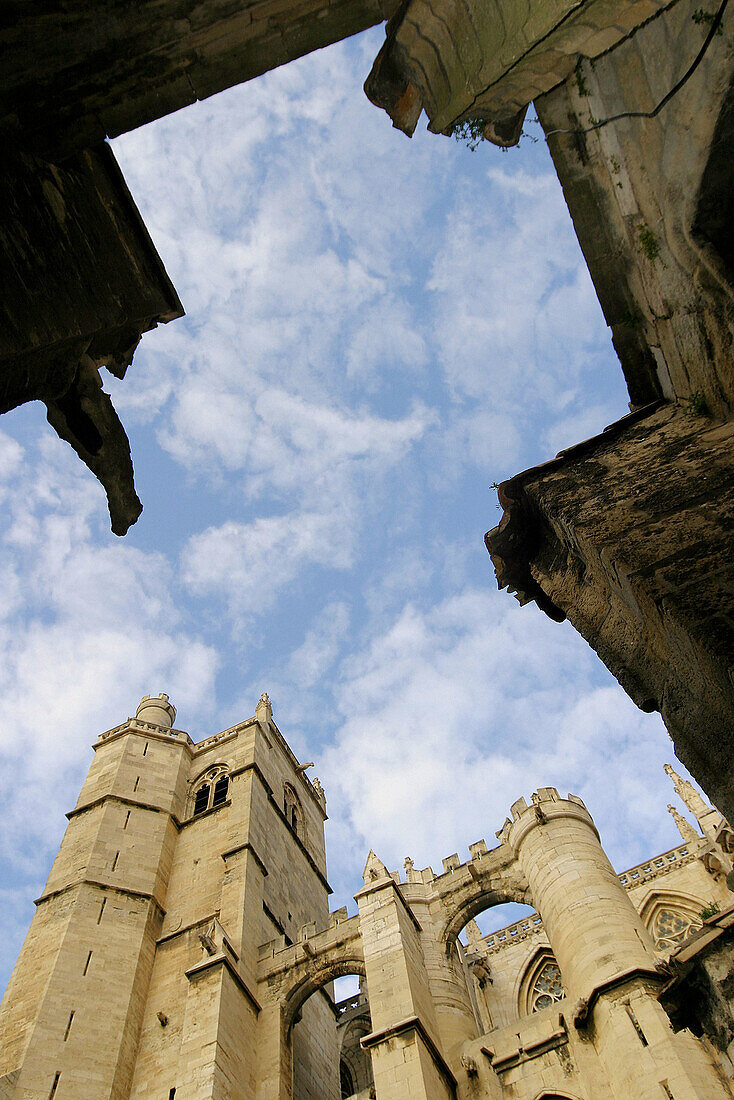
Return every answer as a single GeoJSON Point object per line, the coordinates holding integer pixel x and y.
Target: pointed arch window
{"type": "Point", "coordinates": [547, 987]}
{"type": "Point", "coordinates": [201, 802]}
{"type": "Point", "coordinates": [542, 983]}
{"type": "Point", "coordinates": [221, 789]}
{"type": "Point", "coordinates": [670, 918]}
{"type": "Point", "coordinates": [671, 926]}
{"type": "Point", "coordinates": [212, 790]}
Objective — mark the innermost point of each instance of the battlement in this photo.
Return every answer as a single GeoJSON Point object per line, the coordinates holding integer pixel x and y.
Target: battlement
{"type": "Point", "coordinates": [313, 945]}
{"type": "Point", "coordinates": [136, 725]}
{"type": "Point", "coordinates": [217, 738]}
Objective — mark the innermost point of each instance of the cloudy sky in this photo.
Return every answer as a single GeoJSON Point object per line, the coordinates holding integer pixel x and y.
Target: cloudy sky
{"type": "Point", "coordinates": [377, 330]}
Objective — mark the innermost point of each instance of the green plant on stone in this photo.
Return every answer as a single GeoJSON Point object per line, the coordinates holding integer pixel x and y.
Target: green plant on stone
{"type": "Point", "coordinates": [581, 81]}
{"type": "Point", "coordinates": [649, 244]}
{"type": "Point", "coordinates": [697, 405]}
{"type": "Point", "coordinates": [709, 910]}
{"type": "Point", "coordinates": [470, 131]}
{"type": "Point", "coordinates": [631, 317]}
{"type": "Point", "coordinates": [701, 16]}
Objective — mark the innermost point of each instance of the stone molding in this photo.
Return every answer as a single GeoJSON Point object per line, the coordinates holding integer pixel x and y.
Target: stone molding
{"type": "Point", "coordinates": [402, 1027]}
{"type": "Point", "coordinates": [214, 963]}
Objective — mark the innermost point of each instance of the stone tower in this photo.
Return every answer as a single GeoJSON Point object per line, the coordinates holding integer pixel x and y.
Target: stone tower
{"type": "Point", "coordinates": [138, 975]}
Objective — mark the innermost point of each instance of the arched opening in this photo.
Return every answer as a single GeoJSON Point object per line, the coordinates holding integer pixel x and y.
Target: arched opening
{"type": "Point", "coordinates": [326, 1016]}
{"type": "Point", "coordinates": [353, 1023]}
{"type": "Point", "coordinates": [557, 1096]}
{"type": "Point", "coordinates": [481, 898]}
{"type": "Point", "coordinates": [503, 920]}
{"type": "Point", "coordinates": [510, 968]}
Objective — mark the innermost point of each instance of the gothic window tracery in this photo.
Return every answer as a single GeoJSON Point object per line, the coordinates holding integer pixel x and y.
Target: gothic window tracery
{"type": "Point", "coordinates": [547, 988]}
{"type": "Point", "coordinates": [671, 926]}
{"type": "Point", "coordinates": [212, 790]}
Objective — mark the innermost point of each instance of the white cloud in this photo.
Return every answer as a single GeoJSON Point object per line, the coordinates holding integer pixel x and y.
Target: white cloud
{"type": "Point", "coordinates": [321, 646]}
{"type": "Point", "coordinates": [248, 564]}
{"type": "Point", "coordinates": [92, 628]}
{"type": "Point", "coordinates": [453, 712]}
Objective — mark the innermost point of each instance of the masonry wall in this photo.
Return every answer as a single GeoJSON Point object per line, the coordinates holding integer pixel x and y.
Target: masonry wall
{"type": "Point", "coordinates": [641, 200]}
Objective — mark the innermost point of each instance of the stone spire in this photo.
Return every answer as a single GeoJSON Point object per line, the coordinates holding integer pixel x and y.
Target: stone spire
{"type": "Point", "coordinates": [685, 828]}
{"type": "Point", "coordinates": [688, 794]}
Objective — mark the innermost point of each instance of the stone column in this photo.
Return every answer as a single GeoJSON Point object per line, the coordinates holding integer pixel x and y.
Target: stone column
{"type": "Point", "coordinates": [406, 1056]}
{"type": "Point", "coordinates": [604, 952]}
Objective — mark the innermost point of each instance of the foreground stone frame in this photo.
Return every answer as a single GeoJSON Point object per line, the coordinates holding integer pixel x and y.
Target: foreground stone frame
{"type": "Point", "coordinates": [630, 535]}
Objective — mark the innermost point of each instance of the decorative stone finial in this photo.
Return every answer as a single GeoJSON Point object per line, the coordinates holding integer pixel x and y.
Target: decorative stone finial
{"type": "Point", "coordinates": [408, 864]}
{"type": "Point", "coordinates": [320, 792]}
{"type": "Point", "coordinates": [263, 710]}
{"type": "Point", "coordinates": [685, 828]}
{"type": "Point", "coordinates": [374, 868]}
{"type": "Point", "coordinates": [474, 935]}
{"type": "Point", "coordinates": [688, 794]}
{"type": "Point", "coordinates": [157, 710]}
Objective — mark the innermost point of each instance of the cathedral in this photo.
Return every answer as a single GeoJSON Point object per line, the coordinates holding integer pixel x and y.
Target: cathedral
{"type": "Point", "coordinates": [183, 947]}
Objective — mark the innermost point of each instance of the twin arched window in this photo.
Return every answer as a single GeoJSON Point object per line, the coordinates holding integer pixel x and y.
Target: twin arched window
{"type": "Point", "coordinates": [212, 790]}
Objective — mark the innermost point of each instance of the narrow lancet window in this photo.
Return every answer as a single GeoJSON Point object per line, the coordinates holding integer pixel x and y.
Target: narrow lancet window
{"type": "Point", "coordinates": [221, 787]}
{"type": "Point", "coordinates": [202, 799]}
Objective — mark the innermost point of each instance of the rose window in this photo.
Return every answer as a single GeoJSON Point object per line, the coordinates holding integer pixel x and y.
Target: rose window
{"type": "Point", "coordinates": [547, 987]}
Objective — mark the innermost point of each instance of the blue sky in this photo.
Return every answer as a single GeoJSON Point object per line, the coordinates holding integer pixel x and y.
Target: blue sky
{"type": "Point", "coordinates": [377, 330]}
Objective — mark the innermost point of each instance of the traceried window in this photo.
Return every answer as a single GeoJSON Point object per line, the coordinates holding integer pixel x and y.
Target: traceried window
{"type": "Point", "coordinates": [671, 926]}
{"type": "Point", "coordinates": [547, 987]}
{"type": "Point", "coordinates": [212, 790]}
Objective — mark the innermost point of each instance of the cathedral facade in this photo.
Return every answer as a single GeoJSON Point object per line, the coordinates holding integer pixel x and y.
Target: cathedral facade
{"type": "Point", "coordinates": [183, 947]}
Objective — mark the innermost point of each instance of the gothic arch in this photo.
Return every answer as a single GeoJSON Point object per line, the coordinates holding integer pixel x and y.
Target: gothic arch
{"type": "Point", "coordinates": [357, 1028]}
{"type": "Point", "coordinates": [554, 1094]}
{"type": "Point", "coordinates": [660, 902]}
{"type": "Point", "coordinates": [713, 218]}
{"type": "Point", "coordinates": [323, 973]}
{"type": "Point", "coordinates": [525, 991]}
{"type": "Point", "coordinates": [473, 899]}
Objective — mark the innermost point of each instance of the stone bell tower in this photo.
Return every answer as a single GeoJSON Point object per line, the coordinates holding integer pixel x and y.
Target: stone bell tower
{"type": "Point", "coordinates": [138, 975]}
